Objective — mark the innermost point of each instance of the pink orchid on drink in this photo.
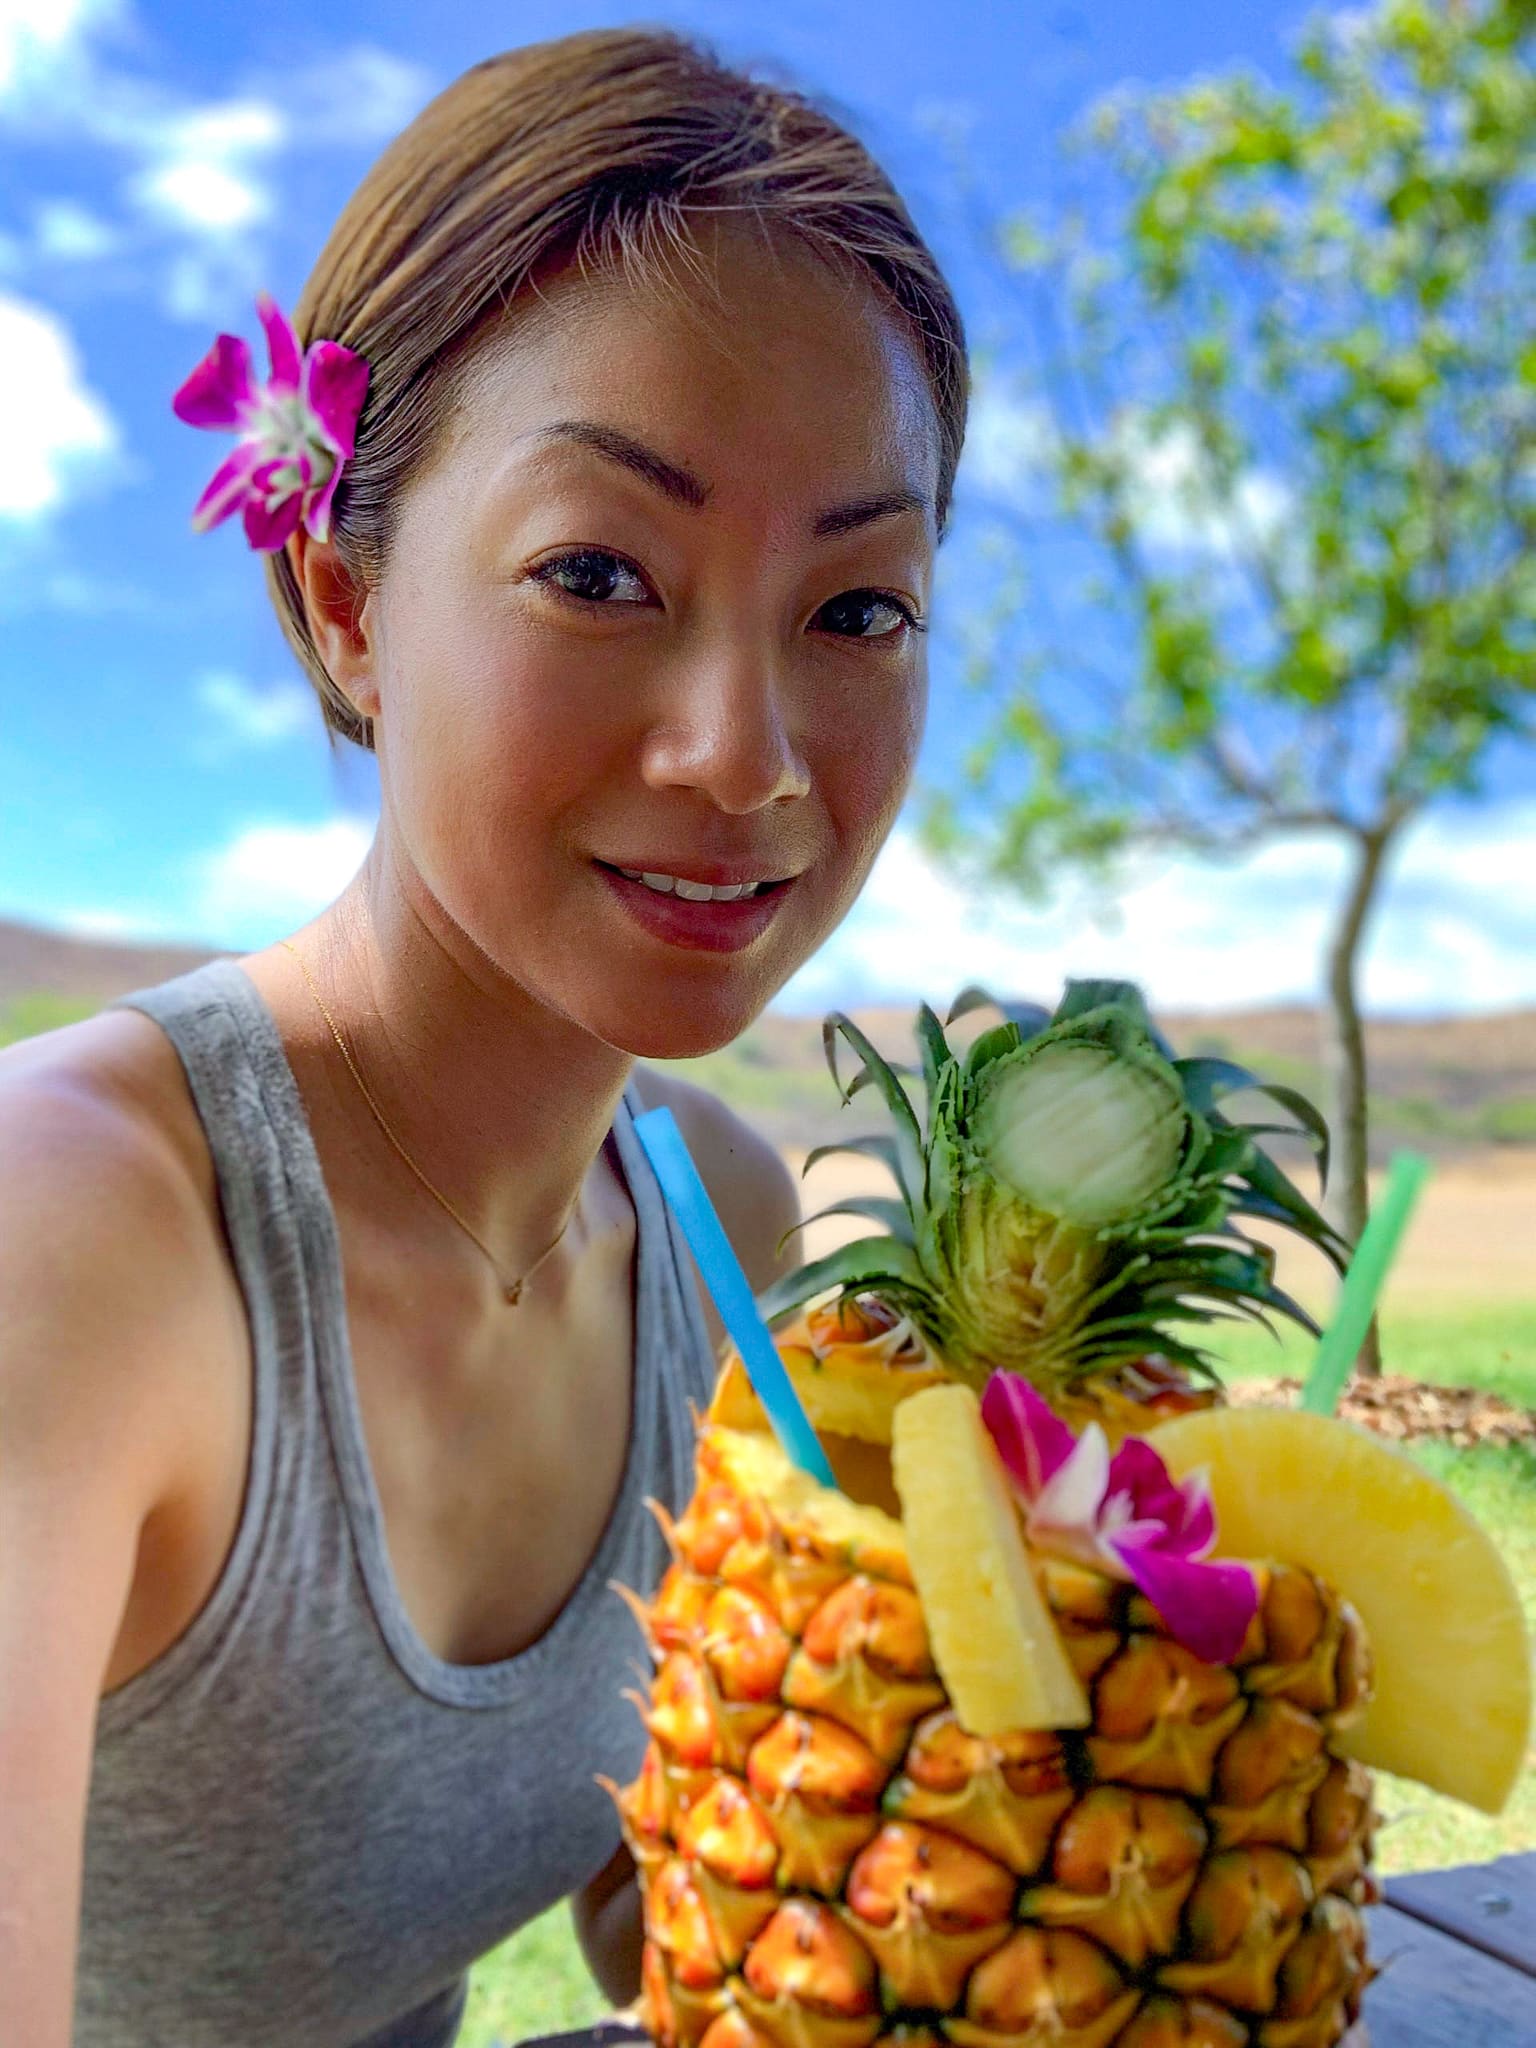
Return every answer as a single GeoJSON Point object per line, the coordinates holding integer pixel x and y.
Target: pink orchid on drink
{"type": "Point", "coordinates": [1121, 1514]}
{"type": "Point", "coordinates": [296, 430]}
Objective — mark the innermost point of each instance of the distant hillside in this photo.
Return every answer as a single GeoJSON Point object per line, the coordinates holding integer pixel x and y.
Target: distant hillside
{"type": "Point", "coordinates": [34, 961]}
{"type": "Point", "coordinates": [1448, 1084]}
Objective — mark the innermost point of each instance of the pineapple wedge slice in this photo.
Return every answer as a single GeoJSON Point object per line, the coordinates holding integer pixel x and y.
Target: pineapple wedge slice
{"type": "Point", "coordinates": [994, 1640]}
{"type": "Point", "coordinates": [842, 1392]}
{"type": "Point", "coordinates": [755, 1466]}
{"type": "Point", "coordinates": [1452, 1703]}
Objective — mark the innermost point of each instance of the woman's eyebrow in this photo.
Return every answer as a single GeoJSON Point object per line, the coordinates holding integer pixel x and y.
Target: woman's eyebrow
{"type": "Point", "coordinates": [685, 488]}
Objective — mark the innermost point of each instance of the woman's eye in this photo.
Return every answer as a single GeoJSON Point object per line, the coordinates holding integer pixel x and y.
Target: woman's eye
{"type": "Point", "coordinates": [854, 609]}
{"type": "Point", "coordinates": [595, 576]}
{"type": "Point", "coordinates": [590, 575]}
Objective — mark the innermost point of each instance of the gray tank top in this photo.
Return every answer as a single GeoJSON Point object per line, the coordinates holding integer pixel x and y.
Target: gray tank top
{"type": "Point", "coordinates": [304, 1826]}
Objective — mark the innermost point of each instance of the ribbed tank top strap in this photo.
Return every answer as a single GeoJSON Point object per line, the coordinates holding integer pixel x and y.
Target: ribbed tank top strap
{"type": "Point", "coordinates": [674, 1327]}
{"type": "Point", "coordinates": [243, 1091]}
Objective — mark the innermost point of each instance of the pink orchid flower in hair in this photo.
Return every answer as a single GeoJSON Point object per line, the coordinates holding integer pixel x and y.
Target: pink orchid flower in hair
{"type": "Point", "coordinates": [1123, 1515]}
{"type": "Point", "coordinates": [296, 430]}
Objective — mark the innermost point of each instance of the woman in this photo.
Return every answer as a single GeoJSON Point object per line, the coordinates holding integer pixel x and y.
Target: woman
{"type": "Point", "coordinates": [348, 1333]}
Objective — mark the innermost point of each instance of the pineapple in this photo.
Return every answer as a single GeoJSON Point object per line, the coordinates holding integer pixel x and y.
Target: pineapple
{"type": "Point", "coordinates": [1069, 1194]}
{"type": "Point", "coordinates": [1344, 1503]}
{"type": "Point", "coordinates": [912, 1779]}
{"type": "Point", "coordinates": [1003, 1660]}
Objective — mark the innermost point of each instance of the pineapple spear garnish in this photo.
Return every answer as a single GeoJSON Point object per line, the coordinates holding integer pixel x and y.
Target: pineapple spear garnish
{"type": "Point", "coordinates": [1068, 1192]}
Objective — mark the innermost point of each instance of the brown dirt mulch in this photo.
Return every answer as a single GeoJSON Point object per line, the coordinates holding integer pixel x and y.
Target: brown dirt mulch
{"type": "Point", "coordinates": [1403, 1408]}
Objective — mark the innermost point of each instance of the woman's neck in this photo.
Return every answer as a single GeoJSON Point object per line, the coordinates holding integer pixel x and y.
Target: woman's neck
{"type": "Point", "coordinates": [502, 1105]}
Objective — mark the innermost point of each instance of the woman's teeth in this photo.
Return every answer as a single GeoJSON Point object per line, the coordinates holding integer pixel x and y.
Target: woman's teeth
{"type": "Point", "coordinates": [692, 892]}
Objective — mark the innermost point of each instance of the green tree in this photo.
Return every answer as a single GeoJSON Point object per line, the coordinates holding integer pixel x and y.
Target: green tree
{"type": "Point", "coordinates": [1281, 389]}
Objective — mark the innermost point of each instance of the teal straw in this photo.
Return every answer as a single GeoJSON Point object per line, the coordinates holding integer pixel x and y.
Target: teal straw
{"type": "Point", "coordinates": [731, 1290]}
{"type": "Point", "coordinates": [1340, 1344]}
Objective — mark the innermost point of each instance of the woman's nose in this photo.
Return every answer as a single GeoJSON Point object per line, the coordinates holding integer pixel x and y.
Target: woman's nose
{"type": "Point", "coordinates": [726, 731]}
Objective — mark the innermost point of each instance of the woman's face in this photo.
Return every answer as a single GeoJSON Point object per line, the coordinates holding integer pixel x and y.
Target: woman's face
{"type": "Point", "coordinates": [650, 613]}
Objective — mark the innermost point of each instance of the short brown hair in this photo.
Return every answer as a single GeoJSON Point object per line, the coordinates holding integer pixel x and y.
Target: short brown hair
{"type": "Point", "coordinates": [591, 146]}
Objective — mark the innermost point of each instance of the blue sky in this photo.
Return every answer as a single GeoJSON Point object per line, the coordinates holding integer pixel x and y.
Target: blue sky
{"type": "Point", "coordinates": [162, 767]}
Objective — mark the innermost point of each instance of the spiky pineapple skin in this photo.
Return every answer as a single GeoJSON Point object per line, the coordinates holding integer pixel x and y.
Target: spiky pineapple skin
{"type": "Point", "coordinates": [829, 1861]}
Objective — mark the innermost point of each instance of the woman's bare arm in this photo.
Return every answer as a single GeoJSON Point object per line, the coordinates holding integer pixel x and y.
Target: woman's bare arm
{"type": "Point", "coordinates": [609, 1928]}
{"type": "Point", "coordinates": [90, 1226]}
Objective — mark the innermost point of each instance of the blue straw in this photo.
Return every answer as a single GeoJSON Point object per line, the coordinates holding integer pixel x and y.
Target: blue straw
{"type": "Point", "coordinates": [732, 1291]}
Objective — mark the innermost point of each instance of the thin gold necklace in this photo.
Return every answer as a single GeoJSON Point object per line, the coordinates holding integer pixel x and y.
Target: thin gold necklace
{"type": "Point", "coordinates": [511, 1290]}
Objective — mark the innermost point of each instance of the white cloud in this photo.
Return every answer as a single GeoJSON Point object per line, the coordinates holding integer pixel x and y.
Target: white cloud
{"type": "Point", "coordinates": [56, 432]}
{"type": "Point", "coordinates": [68, 590]}
{"type": "Point", "coordinates": [1476, 850]}
{"type": "Point", "coordinates": [1011, 448]}
{"type": "Point", "coordinates": [249, 717]}
{"type": "Point", "coordinates": [358, 95]}
{"type": "Point", "coordinates": [1008, 441]}
{"type": "Point", "coordinates": [205, 183]}
{"type": "Point", "coordinates": [90, 923]}
{"type": "Point", "coordinates": [68, 233]}
{"type": "Point", "coordinates": [202, 176]}
{"type": "Point", "coordinates": [1450, 936]}
{"type": "Point", "coordinates": [201, 288]}
{"type": "Point", "coordinates": [201, 195]}
{"type": "Point", "coordinates": [200, 180]}
{"type": "Point", "coordinates": [42, 39]}
{"type": "Point", "coordinates": [1352, 25]}
{"type": "Point", "coordinates": [32, 579]}
{"type": "Point", "coordinates": [270, 877]}
{"type": "Point", "coordinates": [1173, 504]}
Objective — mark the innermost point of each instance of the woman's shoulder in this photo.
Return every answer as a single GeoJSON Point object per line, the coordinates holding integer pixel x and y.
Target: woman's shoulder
{"type": "Point", "coordinates": [748, 1181]}
{"type": "Point", "coordinates": [106, 1095]}
{"type": "Point", "coordinates": [108, 1240]}
{"type": "Point", "coordinates": [105, 1172]}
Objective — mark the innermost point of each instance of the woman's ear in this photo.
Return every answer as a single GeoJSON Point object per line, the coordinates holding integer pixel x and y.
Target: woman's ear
{"type": "Point", "coordinates": [341, 614]}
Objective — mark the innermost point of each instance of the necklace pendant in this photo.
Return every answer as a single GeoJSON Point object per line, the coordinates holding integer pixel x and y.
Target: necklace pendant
{"type": "Point", "coordinates": [511, 1294]}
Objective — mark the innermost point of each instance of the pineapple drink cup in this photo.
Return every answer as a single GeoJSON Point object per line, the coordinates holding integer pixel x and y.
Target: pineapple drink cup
{"type": "Point", "coordinates": [988, 1747]}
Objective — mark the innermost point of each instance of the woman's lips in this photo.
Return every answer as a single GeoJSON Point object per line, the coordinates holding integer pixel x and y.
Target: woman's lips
{"type": "Point", "coordinates": [716, 927]}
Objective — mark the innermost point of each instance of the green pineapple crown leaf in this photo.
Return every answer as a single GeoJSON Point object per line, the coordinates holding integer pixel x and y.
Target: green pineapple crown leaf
{"type": "Point", "coordinates": [1069, 1190]}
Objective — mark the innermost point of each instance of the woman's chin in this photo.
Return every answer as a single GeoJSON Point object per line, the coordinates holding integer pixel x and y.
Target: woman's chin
{"type": "Point", "coordinates": [657, 1023]}
{"type": "Point", "coordinates": [680, 1038]}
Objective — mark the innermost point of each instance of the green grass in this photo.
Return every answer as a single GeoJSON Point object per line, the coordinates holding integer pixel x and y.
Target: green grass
{"type": "Point", "coordinates": [1424, 1830]}
{"type": "Point", "coordinates": [537, 1983]}
{"type": "Point", "coordinates": [24, 1016]}
{"type": "Point", "coordinates": [1482, 1344]}
{"type": "Point", "coordinates": [1474, 1344]}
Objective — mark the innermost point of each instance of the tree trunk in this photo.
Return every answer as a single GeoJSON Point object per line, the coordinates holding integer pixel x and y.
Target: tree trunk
{"type": "Point", "coordinates": [1344, 1059]}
